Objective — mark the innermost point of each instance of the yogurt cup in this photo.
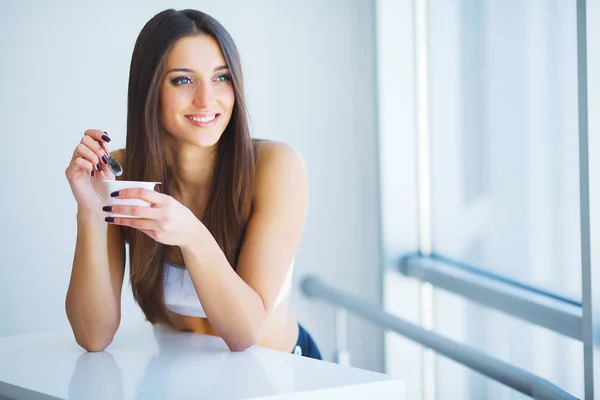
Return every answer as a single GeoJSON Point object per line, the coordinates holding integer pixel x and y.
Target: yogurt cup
{"type": "Point", "coordinates": [114, 185]}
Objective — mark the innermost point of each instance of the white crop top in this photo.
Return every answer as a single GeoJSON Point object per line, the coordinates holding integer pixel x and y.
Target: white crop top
{"type": "Point", "coordinates": [181, 297]}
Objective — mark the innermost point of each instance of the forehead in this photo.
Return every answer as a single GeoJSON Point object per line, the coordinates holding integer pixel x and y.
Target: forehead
{"type": "Point", "coordinates": [195, 52]}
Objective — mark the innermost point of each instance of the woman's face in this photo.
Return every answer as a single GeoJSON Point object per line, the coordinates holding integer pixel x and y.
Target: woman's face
{"type": "Point", "coordinates": [197, 97]}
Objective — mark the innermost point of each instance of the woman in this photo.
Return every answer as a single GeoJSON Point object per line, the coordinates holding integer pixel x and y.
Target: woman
{"type": "Point", "coordinates": [214, 253]}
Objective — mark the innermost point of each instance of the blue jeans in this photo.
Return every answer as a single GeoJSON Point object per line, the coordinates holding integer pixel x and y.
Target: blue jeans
{"type": "Point", "coordinates": [305, 345]}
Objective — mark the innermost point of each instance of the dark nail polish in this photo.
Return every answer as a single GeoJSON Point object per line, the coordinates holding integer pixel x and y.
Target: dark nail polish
{"type": "Point", "coordinates": [105, 159]}
{"type": "Point", "coordinates": [115, 194]}
{"type": "Point", "coordinates": [99, 167]}
{"type": "Point", "coordinates": [109, 219]}
{"type": "Point", "coordinates": [107, 208]}
{"type": "Point", "coordinates": [92, 172]}
{"type": "Point", "coordinates": [105, 137]}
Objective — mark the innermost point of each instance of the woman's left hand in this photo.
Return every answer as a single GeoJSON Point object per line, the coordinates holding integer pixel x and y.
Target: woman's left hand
{"type": "Point", "coordinates": [167, 221]}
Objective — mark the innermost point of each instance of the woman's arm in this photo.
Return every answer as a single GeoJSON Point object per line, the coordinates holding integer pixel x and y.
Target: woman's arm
{"type": "Point", "coordinates": [237, 304]}
{"type": "Point", "coordinates": [93, 301]}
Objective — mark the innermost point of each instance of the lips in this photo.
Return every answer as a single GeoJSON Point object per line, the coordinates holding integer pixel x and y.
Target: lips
{"type": "Point", "coordinates": [203, 120]}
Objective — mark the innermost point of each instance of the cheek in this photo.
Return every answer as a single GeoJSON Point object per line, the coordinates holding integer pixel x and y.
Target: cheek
{"type": "Point", "coordinates": [227, 97]}
{"type": "Point", "coordinates": [170, 103]}
{"type": "Point", "coordinates": [169, 100]}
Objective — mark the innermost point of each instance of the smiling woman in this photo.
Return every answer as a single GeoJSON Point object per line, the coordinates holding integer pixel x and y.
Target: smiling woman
{"type": "Point", "coordinates": [203, 95]}
{"type": "Point", "coordinates": [214, 252]}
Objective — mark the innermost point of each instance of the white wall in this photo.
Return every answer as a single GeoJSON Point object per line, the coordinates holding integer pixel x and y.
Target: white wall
{"type": "Point", "coordinates": [310, 75]}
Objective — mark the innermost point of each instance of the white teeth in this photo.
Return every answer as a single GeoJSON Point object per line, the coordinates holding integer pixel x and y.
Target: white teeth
{"type": "Point", "coordinates": [200, 119]}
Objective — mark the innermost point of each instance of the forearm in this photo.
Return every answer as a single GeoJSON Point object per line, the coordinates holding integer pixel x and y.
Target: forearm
{"type": "Point", "coordinates": [91, 302]}
{"type": "Point", "coordinates": [234, 309]}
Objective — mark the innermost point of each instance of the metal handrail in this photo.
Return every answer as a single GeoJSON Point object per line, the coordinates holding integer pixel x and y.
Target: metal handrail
{"type": "Point", "coordinates": [534, 306]}
{"type": "Point", "coordinates": [488, 273]}
{"type": "Point", "coordinates": [498, 370]}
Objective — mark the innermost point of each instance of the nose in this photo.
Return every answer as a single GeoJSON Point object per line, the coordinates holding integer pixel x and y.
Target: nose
{"type": "Point", "coordinates": [204, 95]}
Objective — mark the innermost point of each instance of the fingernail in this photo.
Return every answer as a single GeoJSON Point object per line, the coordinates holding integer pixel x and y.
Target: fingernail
{"type": "Point", "coordinates": [92, 172]}
{"type": "Point", "coordinates": [105, 159]}
{"type": "Point", "coordinates": [99, 167]}
{"type": "Point", "coordinates": [105, 137]}
{"type": "Point", "coordinates": [107, 208]}
{"type": "Point", "coordinates": [109, 219]}
{"type": "Point", "coordinates": [115, 194]}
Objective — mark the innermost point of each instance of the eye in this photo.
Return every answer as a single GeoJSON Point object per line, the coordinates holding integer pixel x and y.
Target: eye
{"type": "Point", "coordinates": [181, 80]}
{"type": "Point", "coordinates": [223, 78]}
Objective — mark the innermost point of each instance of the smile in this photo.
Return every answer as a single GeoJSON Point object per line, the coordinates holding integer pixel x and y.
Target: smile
{"type": "Point", "coordinates": [204, 121]}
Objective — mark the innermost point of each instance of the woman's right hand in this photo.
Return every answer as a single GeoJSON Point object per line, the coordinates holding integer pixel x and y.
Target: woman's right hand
{"type": "Point", "coordinates": [88, 169]}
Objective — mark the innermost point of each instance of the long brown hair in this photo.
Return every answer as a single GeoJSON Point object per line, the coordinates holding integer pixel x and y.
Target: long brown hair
{"type": "Point", "coordinates": [228, 207]}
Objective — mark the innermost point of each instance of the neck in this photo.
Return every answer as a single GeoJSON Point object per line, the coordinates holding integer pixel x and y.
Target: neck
{"type": "Point", "coordinates": [191, 167]}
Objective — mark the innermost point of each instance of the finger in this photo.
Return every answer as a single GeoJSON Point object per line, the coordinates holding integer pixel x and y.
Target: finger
{"type": "Point", "coordinates": [147, 195]}
{"type": "Point", "coordinates": [85, 152]}
{"type": "Point", "coordinates": [135, 211]}
{"type": "Point", "coordinates": [98, 135]}
{"type": "Point", "coordinates": [97, 149]}
{"type": "Point", "coordinates": [84, 164]}
{"type": "Point", "coordinates": [79, 164]}
{"type": "Point", "coordinates": [136, 223]}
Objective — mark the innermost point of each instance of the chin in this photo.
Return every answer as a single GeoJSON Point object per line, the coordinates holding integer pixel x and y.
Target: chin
{"type": "Point", "coordinates": [207, 143]}
{"type": "Point", "coordinates": [204, 139]}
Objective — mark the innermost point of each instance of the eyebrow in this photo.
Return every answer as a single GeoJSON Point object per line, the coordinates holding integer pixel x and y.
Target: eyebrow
{"type": "Point", "coordinates": [219, 68]}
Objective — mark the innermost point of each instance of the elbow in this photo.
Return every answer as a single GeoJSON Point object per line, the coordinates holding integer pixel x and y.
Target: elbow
{"type": "Point", "coordinates": [93, 345]}
{"type": "Point", "coordinates": [247, 333]}
{"type": "Point", "coordinates": [241, 343]}
{"type": "Point", "coordinates": [93, 340]}
{"type": "Point", "coordinates": [94, 348]}
{"type": "Point", "coordinates": [239, 346]}
{"type": "Point", "coordinates": [93, 336]}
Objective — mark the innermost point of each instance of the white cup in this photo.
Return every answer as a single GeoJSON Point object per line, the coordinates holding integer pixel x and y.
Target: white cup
{"type": "Point", "coordinates": [113, 186]}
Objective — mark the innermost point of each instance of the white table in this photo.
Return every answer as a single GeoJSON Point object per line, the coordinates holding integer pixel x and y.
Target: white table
{"type": "Point", "coordinates": [147, 362]}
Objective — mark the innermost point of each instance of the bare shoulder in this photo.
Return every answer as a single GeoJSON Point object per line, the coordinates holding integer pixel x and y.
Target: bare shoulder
{"type": "Point", "coordinates": [277, 154]}
{"type": "Point", "coordinates": [279, 166]}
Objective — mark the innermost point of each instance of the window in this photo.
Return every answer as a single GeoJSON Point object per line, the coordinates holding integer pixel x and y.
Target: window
{"type": "Point", "coordinates": [504, 138]}
{"type": "Point", "coordinates": [505, 172]}
{"type": "Point", "coordinates": [503, 168]}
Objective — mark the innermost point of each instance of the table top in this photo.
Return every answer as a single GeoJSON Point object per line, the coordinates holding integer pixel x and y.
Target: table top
{"type": "Point", "coordinates": [153, 362]}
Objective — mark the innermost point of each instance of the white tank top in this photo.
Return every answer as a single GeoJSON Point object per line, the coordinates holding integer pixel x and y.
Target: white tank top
{"type": "Point", "coordinates": [181, 297]}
